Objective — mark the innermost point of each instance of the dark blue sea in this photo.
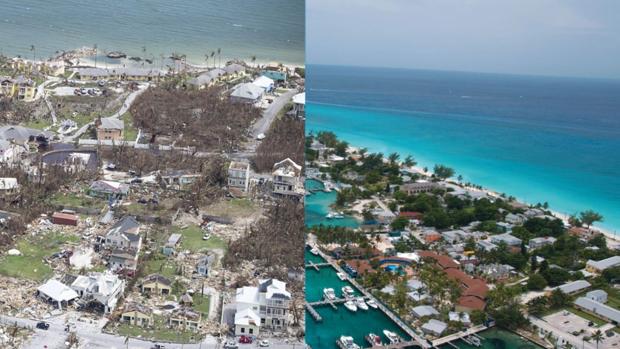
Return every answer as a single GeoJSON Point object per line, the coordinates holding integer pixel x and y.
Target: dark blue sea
{"type": "Point", "coordinates": [537, 138]}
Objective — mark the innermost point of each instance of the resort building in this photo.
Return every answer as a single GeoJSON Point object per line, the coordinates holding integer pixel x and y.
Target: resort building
{"type": "Point", "coordinates": [238, 175]}
{"type": "Point", "coordinates": [125, 74]}
{"type": "Point", "coordinates": [287, 178]}
{"type": "Point", "coordinates": [540, 242]}
{"type": "Point", "coordinates": [20, 88]}
{"type": "Point", "coordinates": [420, 186]}
{"type": "Point", "coordinates": [574, 287]}
{"type": "Point", "coordinates": [600, 266]}
{"type": "Point", "coordinates": [264, 306]}
{"type": "Point", "coordinates": [100, 291]}
{"type": "Point", "coordinates": [110, 129]}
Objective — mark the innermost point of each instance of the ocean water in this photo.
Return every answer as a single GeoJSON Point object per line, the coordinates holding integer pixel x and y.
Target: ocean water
{"type": "Point", "coordinates": [271, 30]}
{"type": "Point", "coordinates": [537, 138]}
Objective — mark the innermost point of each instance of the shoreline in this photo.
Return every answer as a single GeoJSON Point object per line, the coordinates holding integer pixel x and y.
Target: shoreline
{"type": "Point", "coordinates": [609, 233]}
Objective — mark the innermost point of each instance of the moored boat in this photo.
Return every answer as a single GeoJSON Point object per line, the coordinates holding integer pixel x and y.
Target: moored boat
{"type": "Point", "coordinates": [116, 55]}
{"type": "Point", "coordinates": [359, 301]}
{"type": "Point", "coordinates": [350, 305]}
{"type": "Point", "coordinates": [372, 303]}
{"type": "Point", "coordinates": [391, 336]}
{"type": "Point", "coordinates": [341, 276]}
{"type": "Point", "coordinates": [347, 291]}
{"type": "Point", "coordinates": [329, 294]}
{"type": "Point", "coordinates": [374, 340]}
{"type": "Point", "coordinates": [346, 342]}
{"type": "Point", "coordinates": [314, 251]}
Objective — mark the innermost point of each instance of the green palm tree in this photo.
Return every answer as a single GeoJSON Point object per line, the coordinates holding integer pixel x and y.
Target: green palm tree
{"type": "Point", "coordinates": [409, 161]}
{"type": "Point", "coordinates": [219, 55]}
{"type": "Point", "coordinates": [597, 336]}
{"type": "Point", "coordinates": [213, 54]}
{"type": "Point", "coordinates": [34, 52]}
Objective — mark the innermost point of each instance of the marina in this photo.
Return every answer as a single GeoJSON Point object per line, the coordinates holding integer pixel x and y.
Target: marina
{"type": "Point", "coordinates": [318, 207]}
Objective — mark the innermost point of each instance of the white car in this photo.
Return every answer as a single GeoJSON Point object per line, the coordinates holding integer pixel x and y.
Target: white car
{"type": "Point", "coordinates": [206, 236]}
{"type": "Point", "coordinates": [260, 137]}
{"type": "Point", "coordinates": [264, 343]}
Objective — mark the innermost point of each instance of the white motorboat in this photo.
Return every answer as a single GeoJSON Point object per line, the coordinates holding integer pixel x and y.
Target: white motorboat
{"type": "Point", "coordinates": [347, 291]}
{"type": "Point", "coordinates": [350, 305]}
{"type": "Point", "coordinates": [346, 342]}
{"type": "Point", "coordinates": [359, 301]}
{"type": "Point", "coordinates": [314, 251]}
{"type": "Point", "coordinates": [475, 341]}
{"type": "Point", "coordinates": [341, 276]}
{"type": "Point", "coordinates": [374, 340]}
{"type": "Point", "coordinates": [372, 303]}
{"type": "Point", "coordinates": [329, 294]}
{"type": "Point", "coordinates": [391, 336]}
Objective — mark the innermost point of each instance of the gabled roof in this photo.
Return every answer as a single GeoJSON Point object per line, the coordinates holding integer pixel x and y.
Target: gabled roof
{"type": "Point", "coordinates": [128, 227]}
{"type": "Point", "coordinates": [157, 278]}
{"type": "Point", "coordinates": [109, 187]}
{"type": "Point", "coordinates": [274, 289]}
{"type": "Point", "coordinates": [263, 82]}
{"type": "Point", "coordinates": [21, 134]}
{"type": "Point", "coordinates": [112, 124]}
{"type": "Point", "coordinates": [247, 91]}
{"type": "Point", "coordinates": [247, 317]}
{"type": "Point", "coordinates": [233, 68]}
{"type": "Point", "coordinates": [57, 291]}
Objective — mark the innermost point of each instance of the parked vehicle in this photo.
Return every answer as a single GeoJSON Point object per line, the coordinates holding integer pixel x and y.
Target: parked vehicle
{"type": "Point", "coordinates": [42, 325]}
{"type": "Point", "coordinates": [231, 344]}
{"type": "Point", "coordinates": [245, 340]}
{"type": "Point", "coordinates": [263, 344]}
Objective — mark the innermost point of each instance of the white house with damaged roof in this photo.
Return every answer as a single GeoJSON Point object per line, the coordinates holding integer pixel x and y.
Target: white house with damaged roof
{"type": "Point", "coordinates": [108, 189]}
{"type": "Point", "coordinates": [238, 176]}
{"type": "Point", "coordinates": [57, 293]}
{"type": "Point", "coordinates": [99, 290]}
{"type": "Point", "coordinates": [247, 93]}
{"type": "Point", "coordinates": [125, 234]}
{"type": "Point", "coordinates": [286, 177]}
{"type": "Point", "coordinates": [266, 306]}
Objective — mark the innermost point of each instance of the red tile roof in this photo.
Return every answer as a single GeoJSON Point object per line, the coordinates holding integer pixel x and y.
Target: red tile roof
{"type": "Point", "coordinates": [443, 261]}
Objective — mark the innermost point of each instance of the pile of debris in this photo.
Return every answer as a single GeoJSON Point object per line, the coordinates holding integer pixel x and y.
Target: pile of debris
{"type": "Point", "coordinates": [13, 336]}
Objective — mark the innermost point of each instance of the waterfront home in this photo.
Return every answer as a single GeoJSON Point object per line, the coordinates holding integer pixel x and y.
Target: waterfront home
{"type": "Point", "coordinates": [419, 186]}
{"type": "Point", "coordinates": [125, 234]}
{"type": "Point", "coordinates": [265, 83]}
{"type": "Point", "coordinates": [424, 311]}
{"type": "Point", "coordinates": [171, 245]}
{"type": "Point", "coordinates": [434, 327]}
{"type": "Point", "coordinates": [597, 295]}
{"type": "Point", "coordinates": [266, 305]}
{"type": "Point", "coordinates": [110, 129]}
{"type": "Point", "coordinates": [299, 105]}
{"type": "Point", "coordinates": [185, 318]}
{"type": "Point", "coordinates": [460, 317]}
{"type": "Point", "coordinates": [123, 260]}
{"type": "Point", "coordinates": [137, 315]}
{"type": "Point", "coordinates": [247, 93]}
{"type": "Point", "coordinates": [286, 177]}
{"type": "Point", "coordinates": [207, 79]}
{"type": "Point", "coordinates": [108, 190]}
{"type": "Point", "coordinates": [126, 74]}
{"type": "Point", "coordinates": [598, 309]}
{"type": "Point", "coordinates": [239, 175]}
{"type": "Point", "coordinates": [56, 293]}
{"type": "Point", "coordinates": [539, 242]}
{"type": "Point", "coordinates": [600, 266]}
{"type": "Point", "coordinates": [100, 291]}
{"type": "Point", "coordinates": [234, 71]}
{"type": "Point", "coordinates": [274, 75]}
{"type": "Point", "coordinates": [156, 284]}
{"type": "Point", "coordinates": [574, 287]}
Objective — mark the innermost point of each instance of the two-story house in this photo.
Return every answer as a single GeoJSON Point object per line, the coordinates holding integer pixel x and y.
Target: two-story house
{"type": "Point", "coordinates": [238, 175]}
{"type": "Point", "coordinates": [286, 178]}
{"type": "Point", "coordinates": [266, 306]}
{"type": "Point", "coordinates": [125, 234]}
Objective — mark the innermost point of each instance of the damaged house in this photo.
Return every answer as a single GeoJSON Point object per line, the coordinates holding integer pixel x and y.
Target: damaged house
{"type": "Point", "coordinates": [99, 291]}
{"type": "Point", "coordinates": [264, 306]}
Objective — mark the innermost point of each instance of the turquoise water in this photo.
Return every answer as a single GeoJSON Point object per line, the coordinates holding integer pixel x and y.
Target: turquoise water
{"type": "Point", "coordinates": [317, 206]}
{"type": "Point", "coordinates": [341, 321]}
{"type": "Point", "coordinates": [537, 138]}
{"type": "Point", "coordinates": [498, 339]}
{"type": "Point", "coordinates": [272, 30]}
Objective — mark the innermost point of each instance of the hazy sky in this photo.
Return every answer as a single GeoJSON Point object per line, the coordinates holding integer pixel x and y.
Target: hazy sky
{"type": "Point", "coordinates": [541, 37]}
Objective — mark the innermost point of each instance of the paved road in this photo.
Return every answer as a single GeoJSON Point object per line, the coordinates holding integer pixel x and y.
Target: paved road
{"type": "Point", "coordinates": [262, 125]}
{"type": "Point", "coordinates": [90, 336]}
{"type": "Point", "coordinates": [124, 108]}
{"type": "Point", "coordinates": [576, 342]}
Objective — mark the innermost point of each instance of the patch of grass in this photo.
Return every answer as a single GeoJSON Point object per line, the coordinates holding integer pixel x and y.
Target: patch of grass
{"type": "Point", "coordinates": [233, 208]}
{"type": "Point", "coordinates": [201, 304]}
{"type": "Point", "coordinates": [130, 131]}
{"type": "Point", "coordinates": [30, 264]}
{"type": "Point", "coordinates": [192, 239]}
{"type": "Point", "coordinates": [39, 124]}
{"type": "Point", "coordinates": [159, 264]}
{"type": "Point", "coordinates": [598, 322]}
{"type": "Point", "coordinates": [76, 200]}
{"type": "Point", "coordinates": [159, 332]}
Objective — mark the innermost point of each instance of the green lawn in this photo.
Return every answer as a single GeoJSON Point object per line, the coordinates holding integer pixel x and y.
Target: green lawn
{"type": "Point", "coordinates": [130, 131]}
{"type": "Point", "coordinates": [159, 332]}
{"type": "Point", "coordinates": [192, 239]}
{"type": "Point", "coordinates": [587, 316]}
{"type": "Point", "coordinates": [76, 200]}
{"type": "Point", "coordinates": [30, 264]}
{"type": "Point", "coordinates": [39, 124]}
{"type": "Point", "coordinates": [201, 304]}
{"type": "Point", "coordinates": [159, 264]}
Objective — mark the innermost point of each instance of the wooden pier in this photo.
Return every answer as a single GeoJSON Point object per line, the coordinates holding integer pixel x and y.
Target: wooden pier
{"type": "Point", "coordinates": [460, 335]}
{"type": "Point", "coordinates": [315, 314]}
{"type": "Point", "coordinates": [316, 266]}
{"type": "Point", "coordinates": [398, 345]}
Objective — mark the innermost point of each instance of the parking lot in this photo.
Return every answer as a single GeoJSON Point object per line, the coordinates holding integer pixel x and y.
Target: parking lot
{"type": "Point", "coordinates": [571, 323]}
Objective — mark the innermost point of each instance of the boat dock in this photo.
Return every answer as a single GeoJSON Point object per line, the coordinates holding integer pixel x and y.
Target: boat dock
{"type": "Point", "coordinates": [398, 345]}
{"type": "Point", "coordinates": [315, 314]}
{"type": "Point", "coordinates": [417, 339]}
{"type": "Point", "coordinates": [316, 266]}
{"type": "Point", "coordinates": [460, 335]}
